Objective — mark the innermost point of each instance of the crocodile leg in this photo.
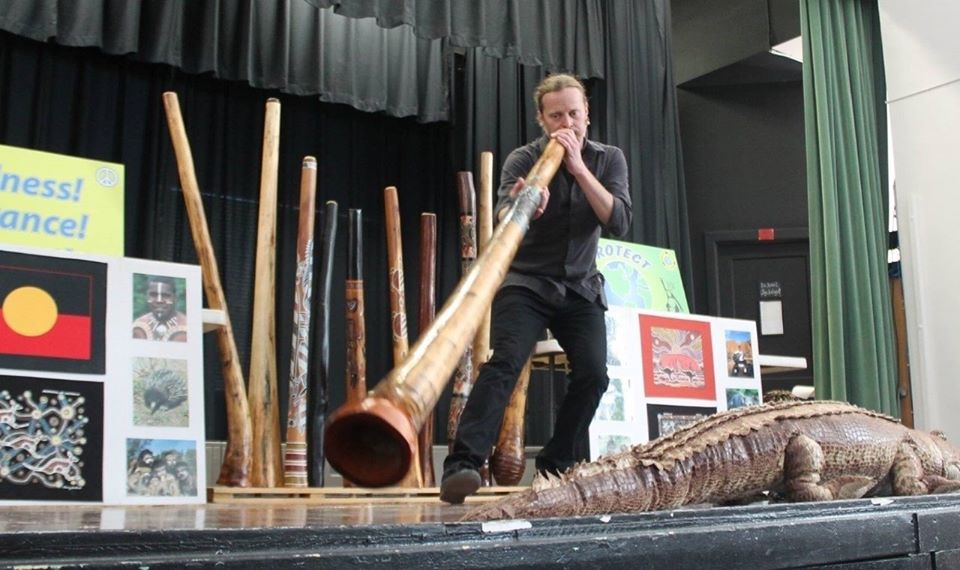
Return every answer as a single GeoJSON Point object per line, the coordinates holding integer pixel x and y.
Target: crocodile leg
{"type": "Point", "coordinates": [907, 471]}
{"type": "Point", "coordinates": [802, 464]}
{"type": "Point", "coordinates": [949, 482]}
{"type": "Point", "coordinates": [802, 467]}
{"type": "Point", "coordinates": [909, 478]}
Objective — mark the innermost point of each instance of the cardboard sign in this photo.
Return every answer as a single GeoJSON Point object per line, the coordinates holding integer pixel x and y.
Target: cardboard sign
{"type": "Point", "coordinates": [641, 276]}
{"type": "Point", "coordinates": [60, 202]}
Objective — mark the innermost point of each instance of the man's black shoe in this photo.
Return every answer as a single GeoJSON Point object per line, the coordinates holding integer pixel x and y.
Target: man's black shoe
{"type": "Point", "coordinates": [458, 484]}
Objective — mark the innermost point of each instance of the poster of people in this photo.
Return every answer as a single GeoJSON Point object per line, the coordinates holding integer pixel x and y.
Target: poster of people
{"type": "Point", "coordinates": [101, 371]}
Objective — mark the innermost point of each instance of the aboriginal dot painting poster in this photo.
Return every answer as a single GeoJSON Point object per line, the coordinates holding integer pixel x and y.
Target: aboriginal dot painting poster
{"type": "Point", "coordinates": [52, 313]}
{"type": "Point", "coordinates": [51, 439]}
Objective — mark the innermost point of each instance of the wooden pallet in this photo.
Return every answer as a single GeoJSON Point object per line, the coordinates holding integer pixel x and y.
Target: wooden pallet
{"type": "Point", "coordinates": [342, 495]}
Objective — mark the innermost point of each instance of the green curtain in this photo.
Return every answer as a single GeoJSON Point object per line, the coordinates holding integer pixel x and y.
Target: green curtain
{"type": "Point", "coordinates": [845, 119]}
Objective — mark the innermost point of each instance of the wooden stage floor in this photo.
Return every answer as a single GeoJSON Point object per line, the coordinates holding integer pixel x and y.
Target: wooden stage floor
{"type": "Point", "coordinates": [77, 518]}
{"type": "Point", "coordinates": [916, 532]}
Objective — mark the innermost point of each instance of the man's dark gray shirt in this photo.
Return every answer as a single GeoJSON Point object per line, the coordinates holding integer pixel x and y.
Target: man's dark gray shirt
{"type": "Point", "coordinates": [559, 250]}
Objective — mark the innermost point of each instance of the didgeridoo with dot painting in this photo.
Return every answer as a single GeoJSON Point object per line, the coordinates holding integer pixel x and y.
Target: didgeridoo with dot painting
{"type": "Point", "coordinates": [238, 456]}
{"type": "Point", "coordinates": [373, 442]}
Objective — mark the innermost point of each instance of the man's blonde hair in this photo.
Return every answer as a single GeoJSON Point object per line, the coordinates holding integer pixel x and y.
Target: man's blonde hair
{"type": "Point", "coordinates": [554, 83]}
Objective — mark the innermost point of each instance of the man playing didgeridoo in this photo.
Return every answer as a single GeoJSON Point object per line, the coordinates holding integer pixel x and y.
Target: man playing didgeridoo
{"type": "Point", "coordinates": [552, 283]}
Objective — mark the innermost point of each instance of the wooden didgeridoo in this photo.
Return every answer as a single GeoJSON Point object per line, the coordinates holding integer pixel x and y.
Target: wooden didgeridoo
{"type": "Point", "coordinates": [464, 376]}
{"type": "Point", "coordinates": [481, 342]}
{"type": "Point", "coordinates": [238, 457]}
{"type": "Point", "coordinates": [295, 456]}
{"type": "Point", "coordinates": [356, 328]}
{"type": "Point", "coordinates": [320, 348]}
{"type": "Point", "coordinates": [428, 309]}
{"type": "Point", "coordinates": [373, 441]}
{"type": "Point", "coordinates": [356, 334]}
{"type": "Point", "coordinates": [508, 461]}
{"type": "Point", "coordinates": [262, 387]}
{"type": "Point", "coordinates": [398, 307]}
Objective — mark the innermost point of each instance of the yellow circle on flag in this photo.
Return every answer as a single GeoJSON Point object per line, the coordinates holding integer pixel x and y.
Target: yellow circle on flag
{"type": "Point", "coordinates": [30, 311]}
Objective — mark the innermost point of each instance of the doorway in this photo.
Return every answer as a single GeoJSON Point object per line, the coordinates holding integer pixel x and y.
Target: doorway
{"type": "Point", "coordinates": [745, 268]}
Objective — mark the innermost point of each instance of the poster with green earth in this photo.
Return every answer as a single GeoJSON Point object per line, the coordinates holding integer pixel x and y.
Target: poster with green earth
{"type": "Point", "coordinates": [641, 276]}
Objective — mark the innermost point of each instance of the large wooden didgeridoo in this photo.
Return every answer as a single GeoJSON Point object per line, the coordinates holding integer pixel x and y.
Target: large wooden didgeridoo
{"type": "Point", "coordinates": [262, 386]}
{"type": "Point", "coordinates": [238, 457]}
{"type": "Point", "coordinates": [373, 441]}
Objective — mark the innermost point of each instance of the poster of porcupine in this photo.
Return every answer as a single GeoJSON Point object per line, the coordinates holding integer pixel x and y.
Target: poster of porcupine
{"type": "Point", "coordinates": [160, 392]}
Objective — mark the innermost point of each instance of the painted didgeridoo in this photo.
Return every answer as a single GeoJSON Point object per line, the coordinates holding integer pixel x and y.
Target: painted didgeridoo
{"type": "Point", "coordinates": [238, 457]}
{"type": "Point", "coordinates": [464, 376]}
{"type": "Point", "coordinates": [356, 328]}
{"type": "Point", "coordinates": [398, 306]}
{"type": "Point", "coordinates": [295, 455]}
{"type": "Point", "coordinates": [373, 442]}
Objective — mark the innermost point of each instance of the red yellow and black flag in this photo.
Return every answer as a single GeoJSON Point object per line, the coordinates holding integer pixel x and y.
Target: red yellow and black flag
{"type": "Point", "coordinates": [52, 313]}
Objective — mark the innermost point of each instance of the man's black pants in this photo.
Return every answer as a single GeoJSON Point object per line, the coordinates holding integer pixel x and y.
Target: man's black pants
{"type": "Point", "coordinates": [518, 319]}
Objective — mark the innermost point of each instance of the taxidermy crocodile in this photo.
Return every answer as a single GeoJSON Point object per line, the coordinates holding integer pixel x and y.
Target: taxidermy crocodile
{"type": "Point", "coordinates": [806, 451]}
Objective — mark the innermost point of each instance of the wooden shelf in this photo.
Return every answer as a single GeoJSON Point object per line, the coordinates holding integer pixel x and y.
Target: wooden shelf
{"type": "Point", "coordinates": [213, 319]}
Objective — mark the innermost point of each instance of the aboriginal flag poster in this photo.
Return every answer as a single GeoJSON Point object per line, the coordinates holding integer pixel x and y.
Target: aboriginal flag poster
{"type": "Point", "coordinates": [52, 314]}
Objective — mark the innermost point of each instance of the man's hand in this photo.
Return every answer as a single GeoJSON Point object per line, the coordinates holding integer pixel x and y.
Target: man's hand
{"type": "Point", "coordinates": [573, 157]}
{"type": "Point", "coordinates": [544, 197]}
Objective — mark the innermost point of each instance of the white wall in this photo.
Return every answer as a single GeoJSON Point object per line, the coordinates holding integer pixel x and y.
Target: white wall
{"type": "Point", "coordinates": [920, 44]}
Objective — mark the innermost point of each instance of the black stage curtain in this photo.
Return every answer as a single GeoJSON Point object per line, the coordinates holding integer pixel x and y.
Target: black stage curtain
{"type": "Point", "coordinates": [287, 45]}
{"type": "Point", "coordinates": [78, 101]}
{"type": "Point", "coordinates": [556, 34]}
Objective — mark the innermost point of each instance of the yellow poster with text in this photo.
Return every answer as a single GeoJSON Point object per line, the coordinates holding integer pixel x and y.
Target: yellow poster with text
{"type": "Point", "coordinates": [60, 202]}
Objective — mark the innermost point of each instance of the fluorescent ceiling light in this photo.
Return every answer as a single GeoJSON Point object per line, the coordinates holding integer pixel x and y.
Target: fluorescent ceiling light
{"type": "Point", "coordinates": [792, 49]}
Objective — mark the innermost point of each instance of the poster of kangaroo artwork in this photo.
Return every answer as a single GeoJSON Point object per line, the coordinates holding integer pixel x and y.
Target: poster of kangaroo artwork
{"type": "Point", "coordinates": [678, 358]}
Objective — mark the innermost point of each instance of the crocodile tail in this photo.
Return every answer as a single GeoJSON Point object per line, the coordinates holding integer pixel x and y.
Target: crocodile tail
{"type": "Point", "coordinates": [550, 502]}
